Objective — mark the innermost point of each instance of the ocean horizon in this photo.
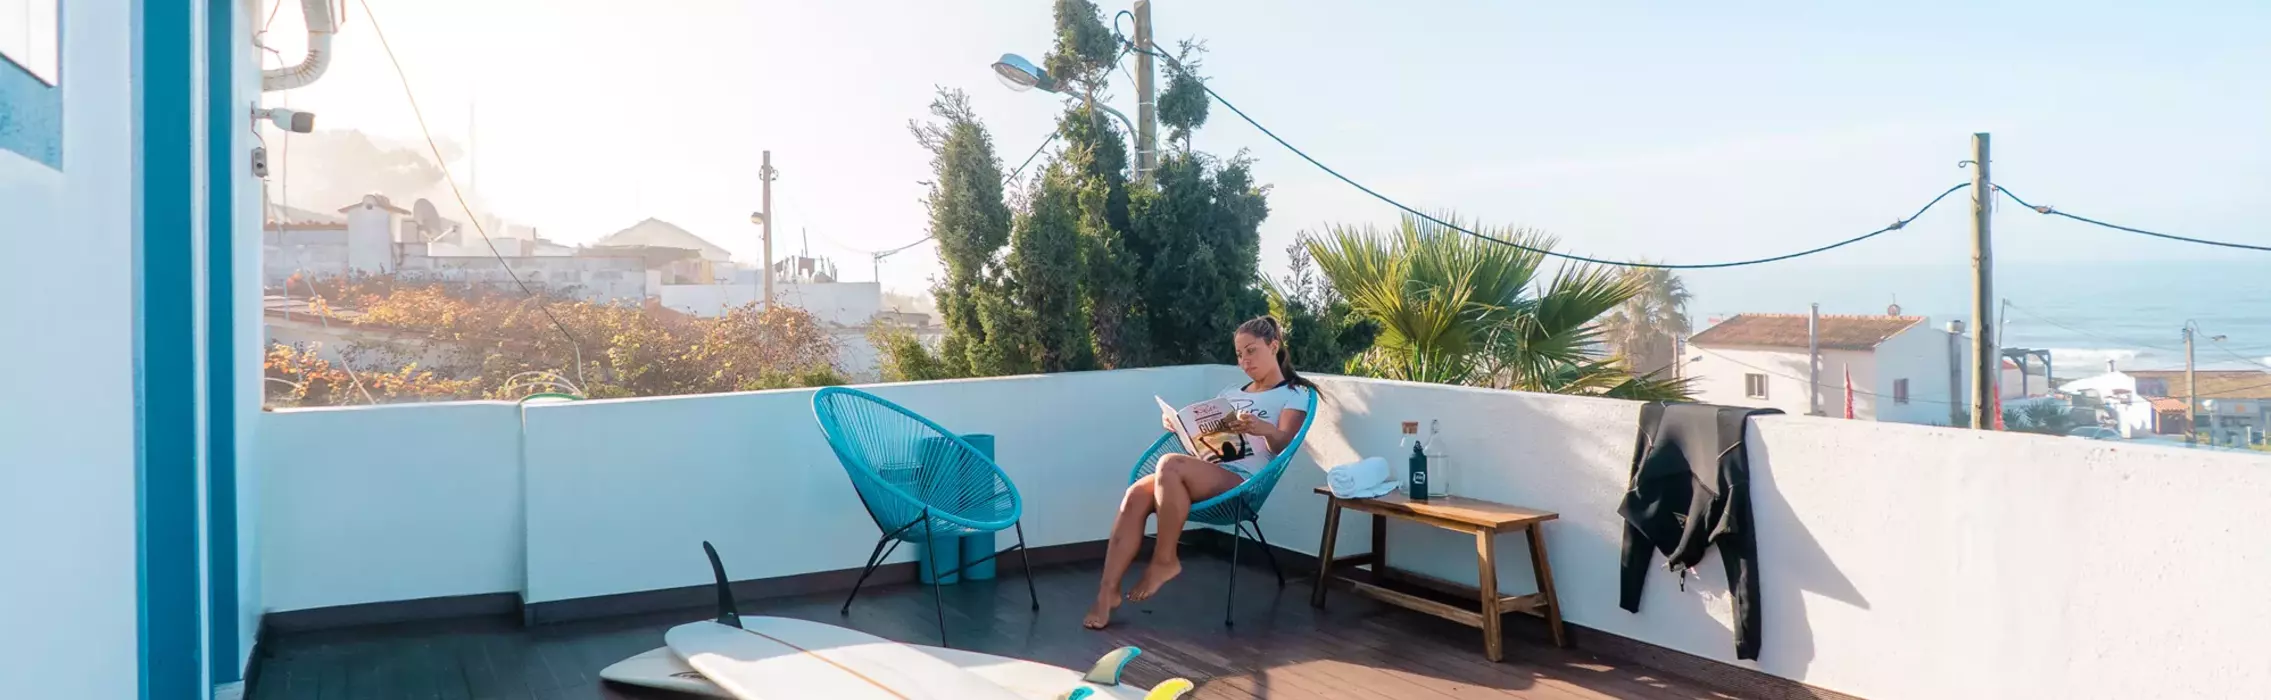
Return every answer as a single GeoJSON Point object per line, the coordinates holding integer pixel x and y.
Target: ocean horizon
{"type": "Point", "coordinates": [2085, 314]}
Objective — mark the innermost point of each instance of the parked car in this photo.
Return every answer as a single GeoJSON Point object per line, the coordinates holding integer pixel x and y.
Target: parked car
{"type": "Point", "coordinates": [2095, 432]}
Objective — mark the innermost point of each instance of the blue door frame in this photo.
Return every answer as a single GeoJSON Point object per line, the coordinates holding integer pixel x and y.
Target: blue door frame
{"type": "Point", "coordinates": [223, 114]}
{"type": "Point", "coordinates": [171, 651]}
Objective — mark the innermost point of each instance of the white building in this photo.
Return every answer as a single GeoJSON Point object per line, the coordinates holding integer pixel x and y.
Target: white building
{"type": "Point", "coordinates": [1901, 370]}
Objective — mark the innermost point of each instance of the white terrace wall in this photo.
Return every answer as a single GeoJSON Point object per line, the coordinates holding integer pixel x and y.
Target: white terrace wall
{"type": "Point", "coordinates": [404, 502]}
{"type": "Point", "coordinates": [364, 505]}
{"type": "Point", "coordinates": [1897, 561]}
{"type": "Point", "coordinates": [621, 494]}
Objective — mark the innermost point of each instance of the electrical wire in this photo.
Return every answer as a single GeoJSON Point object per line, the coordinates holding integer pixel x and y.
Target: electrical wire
{"type": "Point", "coordinates": [1011, 178]}
{"type": "Point", "coordinates": [448, 177]}
{"type": "Point", "coordinates": [1029, 159]}
{"type": "Point", "coordinates": [1894, 226]}
{"type": "Point", "coordinates": [2236, 356]}
{"type": "Point", "coordinates": [2054, 212]}
{"type": "Point", "coordinates": [2117, 341]}
{"type": "Point", "coordinates": [2234, 390]}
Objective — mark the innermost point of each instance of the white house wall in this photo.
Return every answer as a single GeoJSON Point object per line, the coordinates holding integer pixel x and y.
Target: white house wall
{"type": "Point", "coordinates": [67, 396]}
{"type": "Point", "coordinates": [1920, 355]}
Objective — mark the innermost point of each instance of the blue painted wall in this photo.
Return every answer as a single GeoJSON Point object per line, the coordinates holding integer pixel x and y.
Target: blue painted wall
{"type": "Point", "coordinates": [31, 113]}
{"type": "Point", "coordinates": [166, 164]}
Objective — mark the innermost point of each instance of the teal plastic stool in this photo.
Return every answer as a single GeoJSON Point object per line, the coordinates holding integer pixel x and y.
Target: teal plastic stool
{"type": "Point", "coordinates": [982, 545]}
{"type": "Point", "coordinates": [956, 552]}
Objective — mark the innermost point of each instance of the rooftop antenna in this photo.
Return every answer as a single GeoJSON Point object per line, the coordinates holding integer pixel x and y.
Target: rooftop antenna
{"type": "Point", "coordinates": [428, 219]}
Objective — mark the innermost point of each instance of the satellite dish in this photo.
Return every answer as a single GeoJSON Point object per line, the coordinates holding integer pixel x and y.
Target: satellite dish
{"type": "Point", "coordinates": [428, 219]}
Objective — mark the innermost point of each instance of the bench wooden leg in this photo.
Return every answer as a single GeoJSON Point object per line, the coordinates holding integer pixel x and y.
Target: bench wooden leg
{"type": "Point", "coordinates": [1325, 551]}
{"type": "Point", "coordinates": [1493, 639]}
{"type": "Point", "coordinates": [1544, 570]}
{"type": "Point", "coordinates": [1379, 549]}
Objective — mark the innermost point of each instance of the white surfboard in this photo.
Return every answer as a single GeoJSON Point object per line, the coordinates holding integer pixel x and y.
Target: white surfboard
{"type": "Point", "coordinates": [1032, 680]}
{"type": "Point", "coordinates": [661, 668]}
{"type": "Point", "coordinates": [776, 658]}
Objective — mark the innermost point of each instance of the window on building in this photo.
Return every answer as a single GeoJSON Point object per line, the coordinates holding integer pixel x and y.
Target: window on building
{"type": "Point", "coordinates": [30, 37]}
{"type": "Point", "coordinates": [1900, 391]}
{"type": "Point", "coordinates": [1754, 386]}
{"type": "Point", "coordinates": [2152, 387]}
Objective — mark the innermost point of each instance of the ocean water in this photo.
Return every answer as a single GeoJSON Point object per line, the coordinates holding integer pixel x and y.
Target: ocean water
{"type": "Point", "coordinates": [2085, 313]}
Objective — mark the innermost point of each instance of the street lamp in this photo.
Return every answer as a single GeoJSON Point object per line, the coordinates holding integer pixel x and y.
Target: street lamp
{"type": "Point", "coordinates": [1021, 75]}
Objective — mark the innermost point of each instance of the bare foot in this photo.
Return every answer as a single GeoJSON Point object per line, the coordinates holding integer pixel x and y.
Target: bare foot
{"type": "Point", "coordinates": [1101, 614]}
{"type": "Point", "coordinates": [1154, 577]}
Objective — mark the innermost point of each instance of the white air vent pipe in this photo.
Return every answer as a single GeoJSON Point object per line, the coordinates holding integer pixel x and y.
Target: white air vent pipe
{"type": "Point", "coordinates": [321, 26]}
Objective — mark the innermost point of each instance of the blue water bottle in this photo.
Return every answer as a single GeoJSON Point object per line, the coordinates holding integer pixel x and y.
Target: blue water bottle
{"type": "Point", "coordinates": [1416, 488]}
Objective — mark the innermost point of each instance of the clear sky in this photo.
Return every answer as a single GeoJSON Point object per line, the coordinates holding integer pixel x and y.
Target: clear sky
{"type": "Point", "coordinates": [1671, 131]}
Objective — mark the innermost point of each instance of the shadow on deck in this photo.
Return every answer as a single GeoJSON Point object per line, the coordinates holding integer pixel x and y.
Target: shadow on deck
{"type": "Point", "coordinates": [1282, 648]}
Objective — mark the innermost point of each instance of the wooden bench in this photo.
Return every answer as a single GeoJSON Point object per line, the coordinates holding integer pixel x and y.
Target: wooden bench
{"type": "Point", "coordinates": [1483, 519]}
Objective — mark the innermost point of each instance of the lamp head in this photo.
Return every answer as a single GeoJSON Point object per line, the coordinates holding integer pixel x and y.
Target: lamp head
{"type": "Point", "coordinates": [1021, 75]}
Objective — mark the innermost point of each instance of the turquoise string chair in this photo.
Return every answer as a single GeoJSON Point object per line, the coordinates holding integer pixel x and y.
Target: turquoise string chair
{"type": "Point", "coordinates": [1241, 506]}
{"type": "Point", "coordinates": [920, 483]}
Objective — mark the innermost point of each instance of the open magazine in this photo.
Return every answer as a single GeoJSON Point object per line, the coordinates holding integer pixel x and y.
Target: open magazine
{"type": "Point", "coordinates": [1202, 428]}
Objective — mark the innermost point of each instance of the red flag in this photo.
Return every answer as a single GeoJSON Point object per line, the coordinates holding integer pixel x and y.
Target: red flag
{"type": "Point", "coordinates": [1998, 394]}
{"type": "Point", "coordinates": [1849, 392]}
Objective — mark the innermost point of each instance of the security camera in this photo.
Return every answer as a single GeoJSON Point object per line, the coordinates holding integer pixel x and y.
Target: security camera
{"type": "Point", "coordinates": [289, 120]}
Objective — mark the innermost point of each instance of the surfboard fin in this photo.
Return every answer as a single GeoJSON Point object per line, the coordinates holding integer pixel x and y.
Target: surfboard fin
{"type": "Point", "coordinates": [1107, 669]}
{"type": "Point", "coordinates": [1170, 689]}
{"type": "Point", "coordinates": [727, 613]}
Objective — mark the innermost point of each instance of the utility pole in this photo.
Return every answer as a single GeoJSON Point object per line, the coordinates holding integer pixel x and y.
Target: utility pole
{"type": "Point", "coordinates": [766, 175]}
{"type": "Point", "coordinates": [1985, 356]}
{"type": "Point", "coordinates": [1814, 361]}
{"type": "Point", "coordinates": [1147, 108]}
{"type": "Point", "coordinates": [2191, 391]}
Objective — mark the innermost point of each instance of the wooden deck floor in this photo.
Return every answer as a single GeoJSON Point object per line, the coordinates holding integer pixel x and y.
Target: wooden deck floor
{"type": "Point", "coordinates": [1282, 648]}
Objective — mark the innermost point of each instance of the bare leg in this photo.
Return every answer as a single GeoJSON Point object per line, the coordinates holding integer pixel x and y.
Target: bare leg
{"type": "Point", "coordinates": [1183, 480]}
{"type": "Point", "coordinates": [1120, 553]}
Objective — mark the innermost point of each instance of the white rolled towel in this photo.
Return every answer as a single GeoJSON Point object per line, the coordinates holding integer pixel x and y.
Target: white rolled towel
{"type": "Point", "coordinates": [1366, 478]}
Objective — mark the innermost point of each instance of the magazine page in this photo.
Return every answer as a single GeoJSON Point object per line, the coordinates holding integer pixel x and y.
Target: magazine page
{"type": "Point", "coordinates": [1201, 427]}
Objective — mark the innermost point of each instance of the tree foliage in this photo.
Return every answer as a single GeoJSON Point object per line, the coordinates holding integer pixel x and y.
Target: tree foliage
{"type": "Point", "coordinates": [1646, 328]}
{"type": "Point", "coordinates": [1198, 251]}
{"type": "Point", "coordinates": [433, 341]}
{"type": "Point", "coordinates": [1045, 278]}
{"type": "Point", "coordinates": [1323, 332]}
{"type": "Point", "coordinates": [971, 224]}
{"type": "Point", "coordinates": [1102, 269]}
{"type": "Point", "coordinates": [1453, 309]}
{"type": "Point", "coordinates": [1183, 104]}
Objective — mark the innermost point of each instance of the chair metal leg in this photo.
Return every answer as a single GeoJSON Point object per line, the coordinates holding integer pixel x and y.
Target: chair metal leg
{"type": "Point", "coordinates": [873, 558]}
{"type": "Point", "coordinates": [930, 553]}
{"type": "Point", "coordinates": [1267, 555]}
{"type": "Point", "coordinates": [1028, 559]}
{"type": "Point", "coordinates": [1230, 596]}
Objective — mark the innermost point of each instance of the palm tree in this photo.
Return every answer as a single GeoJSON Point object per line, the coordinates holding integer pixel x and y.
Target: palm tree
{"type": "Point", "coordinates": [1643, 329]}
{"type": "Point", "coordinates": [1454, 309]}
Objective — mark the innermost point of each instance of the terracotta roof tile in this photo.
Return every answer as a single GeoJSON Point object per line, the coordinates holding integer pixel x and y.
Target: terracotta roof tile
{"type": "Point", "coordinates": [1789, 331]}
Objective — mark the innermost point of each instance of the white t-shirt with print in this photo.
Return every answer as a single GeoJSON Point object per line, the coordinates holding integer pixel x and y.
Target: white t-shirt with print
{"type": "Point", "coordinates": [1266, 405]}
